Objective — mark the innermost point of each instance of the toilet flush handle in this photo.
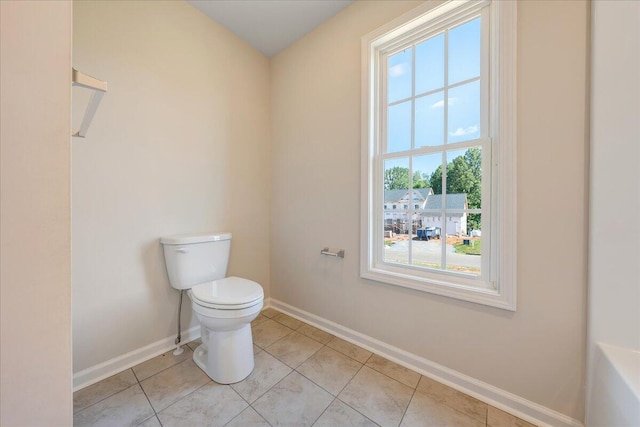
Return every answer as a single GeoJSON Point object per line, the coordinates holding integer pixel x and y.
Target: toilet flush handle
{"type": "Point", "coordinates": [181, 250]}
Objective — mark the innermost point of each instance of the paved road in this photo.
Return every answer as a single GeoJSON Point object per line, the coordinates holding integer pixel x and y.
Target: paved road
{"type": "Point", "coordinates": [429, 252]}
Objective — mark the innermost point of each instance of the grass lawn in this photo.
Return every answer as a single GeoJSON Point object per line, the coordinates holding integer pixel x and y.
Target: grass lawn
{"type": "Point", "coordinates": [475, 248]}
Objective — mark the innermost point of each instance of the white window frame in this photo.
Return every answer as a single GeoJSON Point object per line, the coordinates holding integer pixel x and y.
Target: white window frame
{"type": "Point", "coordinates": [499, 288]}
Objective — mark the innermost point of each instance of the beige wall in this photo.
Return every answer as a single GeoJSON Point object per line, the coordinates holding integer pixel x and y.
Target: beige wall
{"type": "Point", "coordinates": [35, 252]}
{"type": "Point", "coordinates": [536, 352]}
{"type": "Point", "coordinates": [179, 144]}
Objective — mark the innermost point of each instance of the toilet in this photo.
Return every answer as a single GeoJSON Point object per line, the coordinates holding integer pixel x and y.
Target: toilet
{"type": "Point", "coordinates": [224, 306]}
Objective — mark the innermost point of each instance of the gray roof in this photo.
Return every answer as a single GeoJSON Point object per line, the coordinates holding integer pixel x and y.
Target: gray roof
{"type": "Point", "coordinates": [454, 201]}
{"type": "Point", "coordinates": [394, 196]}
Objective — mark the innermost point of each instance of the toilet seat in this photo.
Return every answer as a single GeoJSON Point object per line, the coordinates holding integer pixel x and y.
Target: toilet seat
{"type": "Point", "coordinates": [230, 293]}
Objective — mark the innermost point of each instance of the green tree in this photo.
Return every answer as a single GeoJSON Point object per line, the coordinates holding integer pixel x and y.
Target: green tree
{"type": "Point", "coordinates": [397, 178]}
{"type": "Point", "coordinates": [420, 180]}
{"type": "Point", "coordinates": [464, 175]}
{"type": "Point", "coordinates": [435, 180]}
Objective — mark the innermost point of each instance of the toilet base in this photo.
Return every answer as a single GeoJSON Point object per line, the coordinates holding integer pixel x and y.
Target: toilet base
{"type": "Point", "coordinates": [227, 357]}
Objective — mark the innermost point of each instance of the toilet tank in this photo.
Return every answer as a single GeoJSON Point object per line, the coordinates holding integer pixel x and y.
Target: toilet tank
{"type": "Point", "coordinates": [196, 258]}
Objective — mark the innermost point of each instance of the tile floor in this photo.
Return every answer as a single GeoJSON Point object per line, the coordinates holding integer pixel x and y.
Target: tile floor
{"type": "Point", "coordinates": [303, 377]}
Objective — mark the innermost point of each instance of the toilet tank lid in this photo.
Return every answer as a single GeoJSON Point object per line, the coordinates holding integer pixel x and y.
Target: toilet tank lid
{"type": "Point", "coordinates": [186, 239]}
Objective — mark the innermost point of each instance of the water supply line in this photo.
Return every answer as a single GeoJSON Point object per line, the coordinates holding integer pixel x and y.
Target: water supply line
{"type": "Point", "coordinates": [178, 351]}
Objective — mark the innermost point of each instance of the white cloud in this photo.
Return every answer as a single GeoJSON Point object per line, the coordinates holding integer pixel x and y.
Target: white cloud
{"type": "Point", "coordinates": [465, 131]}
{"type": "Point", "coordinates": [398, 70]}
{"type": "Point", "coordinates": [440, 104]}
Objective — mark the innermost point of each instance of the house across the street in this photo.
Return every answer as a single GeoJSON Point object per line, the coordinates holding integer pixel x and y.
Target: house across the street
{"type": "Point", "coordinates": [424, 207]}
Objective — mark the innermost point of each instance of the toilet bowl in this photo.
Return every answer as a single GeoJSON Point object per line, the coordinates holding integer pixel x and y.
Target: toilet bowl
{"type": "Point", "coordinates": [225, 316]}
{"type": "Point", "coordinates": [224, 306]}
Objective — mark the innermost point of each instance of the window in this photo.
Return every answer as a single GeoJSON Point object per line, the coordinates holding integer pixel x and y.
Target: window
{"type": "Point", "coordinates": [439, 124]}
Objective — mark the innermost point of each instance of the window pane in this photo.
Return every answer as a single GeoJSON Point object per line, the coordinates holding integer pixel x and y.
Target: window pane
{"type": "Point", "coordinates": [427, 244]}
{"type": "Point", "coordinates": [399, 127]}
{"type": "Point", "coordinates": [430, 64]}
{"type": "Point", "coordinates": [464, 112]}
{"type": "Point", "coordinates": [427, 176]}
{"type": "Point", "coordinates": [464, 51]}
{"type": "Point", "coordinates": [464, 252]}
{"type": "Point", "coordinates": [427, 180]}
{"type": "Point", "coordinates": [399, 76]}
{"type": "Point", "coordinates": [396, 196]}
{"type": "Point", "coordinates": [396, 179]}
{"type": "Point", "coordinates": [464, 181]}
{"type": "Point", "coordinates": [429, 125]}
{"type": "Point", "coordinates": [396, 238]}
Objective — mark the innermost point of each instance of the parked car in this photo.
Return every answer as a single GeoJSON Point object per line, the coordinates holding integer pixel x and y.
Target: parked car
{"type": "Point", "coordinates": [428, 233]}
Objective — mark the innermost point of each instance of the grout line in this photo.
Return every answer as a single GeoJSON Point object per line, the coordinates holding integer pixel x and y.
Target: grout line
{"type": "Point", "coordinates": [162, 370]}
{"type": "Point", "coordinates": [147, 397]}
{"type": "Point", "coordinates": [325, 410]}
{"type": "Point", "coordinates": [446, 402]}
{"type": "Point", "coordinates": [351, 379]}
{"type": "Point", "coordinates": [112, 394]}
{"type": "Point", "coordinates": [394, 379]}
{"type": "Point", "coordinates": [231, 420]}
{"type": "Point", "coordinates": [250, 405]}
{"type": "Point", "coordinates": [135, 376]}
{"type": "Point", "coordinates": [261, 416]}
{"type": "Point", "coordinates": [268, 390]}
{"type": "Point", "coordinates": [373, 368]}
{"type": "Point", "coordinates": [309, 336]}
{"type": "Point", "coordinates": [349, 406]}
{"type": "Point", "coordinates": [404, 414]}
{"type": "Point", "coordinates": [284, 324]}
{"type": "Point", "coordinates": [147, 419]}
{"type": "Point", "coordinates": [299, 364]}
{"type": "Point", "coordinates": [185, 396]}
{"type": "Point", "coordinates": [300, 373]}
{"type": "Point", "coordinates": [234, 390]}
{"type": "Point", "coordinates": [336, 395]}
{"type": "Point", "coordinates": [277, 341]}
{"type": "Point", "coordinates": [362, 365]}
{"type": "Point", "coordinates": [350, 357]}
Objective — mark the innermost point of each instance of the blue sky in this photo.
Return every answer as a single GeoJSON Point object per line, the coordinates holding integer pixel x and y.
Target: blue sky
{"type": "Point", "coordinates": [463, 101]}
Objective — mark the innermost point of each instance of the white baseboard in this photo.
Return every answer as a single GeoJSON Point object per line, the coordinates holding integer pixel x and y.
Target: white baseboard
{"type": "Point", "coordinates": [118, 364]}
{"type": "Point", "coordinates": [501, 399]}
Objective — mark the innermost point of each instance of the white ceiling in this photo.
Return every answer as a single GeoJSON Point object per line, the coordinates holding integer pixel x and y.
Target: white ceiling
{"type": "Point", "coordinates": [270, 25]}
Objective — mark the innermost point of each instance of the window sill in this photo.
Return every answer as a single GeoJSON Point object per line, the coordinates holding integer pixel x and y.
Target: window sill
{"type": "Point", "coordinates": [475, 294]}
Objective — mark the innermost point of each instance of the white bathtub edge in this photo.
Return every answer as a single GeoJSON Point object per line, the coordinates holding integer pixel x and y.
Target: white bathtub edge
{"type": "Point", "coordinates": [626, 362]}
